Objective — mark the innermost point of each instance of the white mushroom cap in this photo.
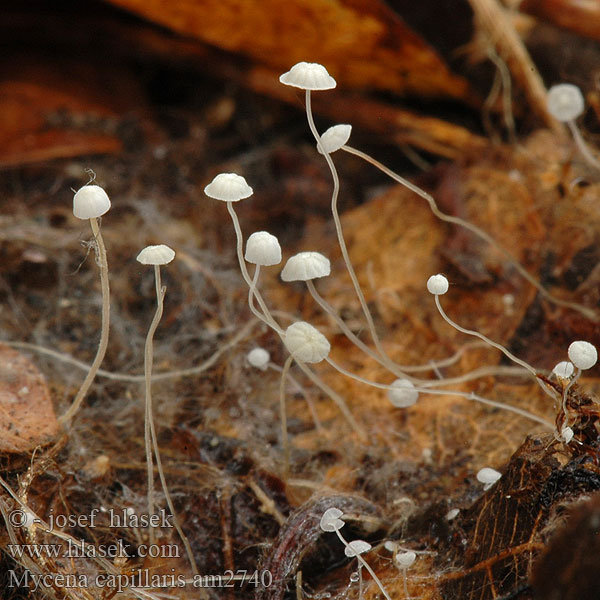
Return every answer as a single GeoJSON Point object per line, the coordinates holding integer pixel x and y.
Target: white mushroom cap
{"type": "Point", "coordinates": [583, 355]}
{"type": "Point", "coordinates": [334, 138]}
{"type": "Point", "coordinates": [437, 285]}
{"type": "Point", "coordinates": [308, 76]}
{"type": "Point", "coordinates": [90, 201]}
{"type": "Point", "coordinates": [306, 343]}
{"type": "Point", "coordinates": [566, 434]}
{"type": "Point", "coordinates": [228, 187]}
{"type": "Point", "coordinates": [259, 358]}
{"type": "Point", "coordinates": [306, 265]}
{"type": "Point", "coordinates": [405, 559]}
{"type": "Point", "coordinates": [156, 255]}
{"type": "Point", "coordinates": [565, 102]}
{"type": "Point", "coordinates": [356, 547]}
{"type": "Point", "coordinates": [564, 369]}
{"type": "Point", "coordinates": [403, 393]}
{"type": "Point", "coordinates": [330, 521]}
{"type": "Point", "coordinates": [488, 477]}
{"type": "Point", "coordinates": [263, 249]}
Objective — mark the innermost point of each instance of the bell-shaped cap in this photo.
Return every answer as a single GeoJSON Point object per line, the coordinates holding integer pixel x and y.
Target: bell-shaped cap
{"type": "Point", "coordinates": [331, 521]}
{"type": "Point", "coordinates": [228, 187]}
{"type": "Point", "coordinates": [263, 249]}
{"type": "Point", "coordinates": [308, 76]}
{"type": "Point", "coordinates": [402, 393]}
{"type": "Point", "coordinates": [583, 355]}
{"type": "Point", "coordinates": [306, 265]}
{"type": "Point", "coordinates": [306, 343]}
{"type": "Point", "coordinates": [334, 138]}
{"type": "Point", "coordinates": [90, 201]}
{"type": "Point", "coordinates": [488, 477]}
{"type": "Point", "coordinates": [258, 358]}
{"type": "Point", "coordinates": [156, 255]}
{"type": "Point", "coordinates": [356, 547]}
{"type": "Point", "coordinates": [565, 102]}
{"type": "Point", "coordinates": [437, 285]}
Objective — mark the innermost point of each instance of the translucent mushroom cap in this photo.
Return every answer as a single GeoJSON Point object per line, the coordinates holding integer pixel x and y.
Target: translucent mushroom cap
{"type": "Point", "coordinates": [90, 201]}
{"type": "Point", "coordinates": [356, 547]}
{"type": "Point", "coordinates": [306, 343]}
{"type": "Point", "coordinates": [405, 559]}
{"type": "Point", "coordinates": [228, 187]}
{"type": "Point", "coordinates": [565, 102]}
{"type": "Point", "coordinates": [331, 521]}
{"type": "Point", "coordinates": [564, 369]}
{"type": "Point", "coordinates": [306, 265]}
{"type": "Point", "coordinates": [488, 477]}
{"type": "Point", "coordinates": [258, 358]}
{"type": "Point", "coordinates": [402, 393]}
{"type": "Point", "coordinates": [308, 76]}
{"type": "Point", "coordinates": [156, 255]}
{"type": "Point", "coordinates": [437, 285]}
{"type": "Point", "coordinates": [583, 355]}
{"type": "Point", "coordinates": [334, 138]}
{"type": "Point", "coordinates": [263, 249]}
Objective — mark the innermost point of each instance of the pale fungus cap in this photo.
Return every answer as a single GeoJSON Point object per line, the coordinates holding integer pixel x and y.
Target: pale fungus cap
{"type": "Point", "coordinates": [564, 369]}
{"type": "Point", "coordinates": [566, 434]}
{"type": "Point", "coordinates": [259, 358]}
{"type": "Point", "coordinates": [565, 102]}
{"type": "Point", "coordinates": [356, 547]}
{"type": "Point", "coordinates": [402, 393]}
{"type": "Point", "coordinates": [405, 559]}
{"type": "Point", "coordinates": [306, 343]}
{"type": "Point", "coordinates": [228, 187]}
{"type": "Point", "coordinates": [583, 355]}
{"type": "Point", "coordinates": [331, 521]}
{"type": "Point", "coordinates": [488, 477]}
{"type": "Point", "coordinates": [263, 249]}
{"type": "Point", "coordinates": [156, 255]}
{"type": "Point", "coordinates": [90, 201]}
{"type": "Point", "coordinates": [308, 76]}
{"type": "Point", "coordinates": [437, 285]}
{"type": "Point", "coordinates": [334, 138]}
{"type": "Point", "coordinates": [306, 265]}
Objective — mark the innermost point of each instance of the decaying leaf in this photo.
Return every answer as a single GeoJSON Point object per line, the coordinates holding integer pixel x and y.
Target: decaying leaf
{"type": "Point", "coordinates": [372, 47]}
{"type": "Point", "coordinates": [27, 416]}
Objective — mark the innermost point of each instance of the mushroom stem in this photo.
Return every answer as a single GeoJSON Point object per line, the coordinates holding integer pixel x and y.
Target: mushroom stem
{"type": "Point", "coordinates": [365, 564]}
{"type": "Point", "coordinates": [283, 416]}
{"type": "Point", "coordinates": [87, 382]}
{"type": "Point", "coordinates": [266, 316]}
{"type": "Point", "coordinates": [486, 339]}
{"type": "Point", "coordinates": [340, 235]}
{"type": "Point", "coordinates": [587, 312]}
{"type": "Point", "coordinates": [583, 146]}
{"type": "Point", "coordinates": [150, 438]}
{"type": "Point", "coordinates": [437, 392]}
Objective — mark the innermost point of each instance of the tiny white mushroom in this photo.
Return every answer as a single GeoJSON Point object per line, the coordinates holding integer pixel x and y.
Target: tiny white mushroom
{"type": "Point", "coordinates": [228, 187]}
{"type": "Point", "coordinates": [452, 514]}
{"type": "Point", "coordinates": [356, 547]}
{"type": "Point", "coordinates": [156, 255]}
{"type": "Point", "coordinates": [334, 138]}
{"type": "Point", "coordinates": [258, 358]}
{"type": "Point", "coordinates": [565, 102]}
{"type": "Point", "coordinates": [308, 76]}
{"type": "Point", "coordinates": [305, 266]}
{"type": "Point", "coordinates": [566, 434]}
{"type": "Point", "coordinates": [90, 202]}
{"type": "Point", "coordinates": [405, 559]}
{"type": "Point", "coordinates": [402, 393]}
{"type": "Point", "coordinates": [437, 285]}
{"type": "Point", "coordinates": [583, 355]}
{"type": "Point", "coordinates": [564, 369]}
{"type": "Point", "coordinates": [306, 343]}
{"type": "Point", "coordinates": [488, 477]}
{"type": "Point", "coordinates": [331, 521]}
{"type": "Point", "coordinates": [263, 249]}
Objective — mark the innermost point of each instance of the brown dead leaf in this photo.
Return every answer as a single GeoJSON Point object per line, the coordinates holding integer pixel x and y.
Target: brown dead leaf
{"type": "Point", "coordinates": [363, 43]}
{"type": "Point", "coordinates": [27, 134]}
{"type": "Point", "coordinates": [26, 413]}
